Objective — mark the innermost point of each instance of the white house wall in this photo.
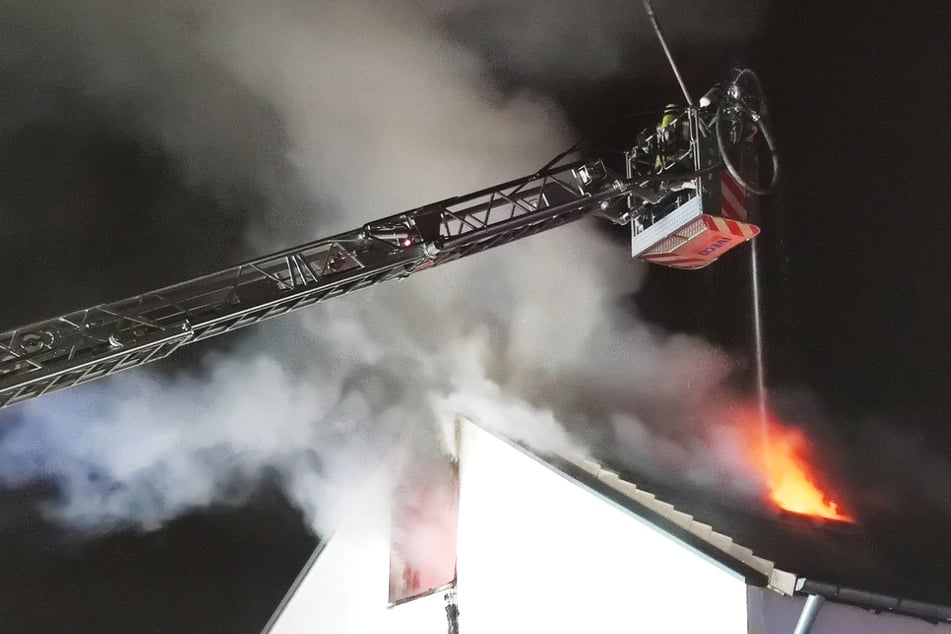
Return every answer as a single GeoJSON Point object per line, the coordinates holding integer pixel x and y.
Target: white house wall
{"type": "Point", "coordinates": [538, 553]}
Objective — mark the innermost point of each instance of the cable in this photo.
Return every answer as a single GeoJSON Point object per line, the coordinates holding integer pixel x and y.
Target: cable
{"type": "Point", "coordinates": [648, 178]}
{"type": "Point", "coordinates": [743, 109]}
{"type": "Point", "coordinates": [587, 138]}
{"type": "Point", "coordinates": [727, 162]}
{"type": "Point", "coordinates": [758, 86]}
{"type": "Point", "coordinates": [681, 176]}
{"type": "Point", "coordinates": [581, 141]}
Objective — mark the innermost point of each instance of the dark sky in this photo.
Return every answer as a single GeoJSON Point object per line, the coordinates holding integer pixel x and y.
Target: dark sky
{"type": "Point", "coordinates": [856, 270]}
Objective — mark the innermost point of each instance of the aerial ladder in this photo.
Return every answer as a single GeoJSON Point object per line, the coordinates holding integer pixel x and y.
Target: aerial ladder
{"type": "Point", "coordinates": [685, 190]}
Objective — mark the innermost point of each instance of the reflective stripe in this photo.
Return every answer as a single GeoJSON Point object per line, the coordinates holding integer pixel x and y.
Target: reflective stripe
{"type": "Point", "coordinates": [733, 200]}
{"type": "Point", "coordinates": [734, 228]}
{"type": "Point", "coordinates": [738, 192]}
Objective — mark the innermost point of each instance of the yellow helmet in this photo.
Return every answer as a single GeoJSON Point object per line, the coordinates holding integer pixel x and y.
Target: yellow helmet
{"type": "Point", "coordinates": [671, 112]}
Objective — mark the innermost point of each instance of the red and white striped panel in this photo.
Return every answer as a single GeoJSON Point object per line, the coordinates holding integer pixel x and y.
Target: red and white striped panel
{"type": "Point", "coordinates": [741, 230]}
{"type": "Point", "coordinates": [732, 198]}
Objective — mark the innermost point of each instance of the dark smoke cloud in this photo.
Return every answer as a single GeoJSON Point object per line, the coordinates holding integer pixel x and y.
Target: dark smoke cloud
{"type": "Point", "coordinates": [131, 160]}
{"type": "Point", "coordinates": [570, 42]}
{"type": "Point", "coordinates": [297, 119]}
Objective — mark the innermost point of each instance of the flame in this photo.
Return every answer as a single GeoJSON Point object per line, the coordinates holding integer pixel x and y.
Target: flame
{"type": "Point", "coordinates": [780, 455]}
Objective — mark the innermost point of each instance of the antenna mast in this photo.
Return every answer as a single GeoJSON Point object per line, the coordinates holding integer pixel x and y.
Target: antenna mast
{"type": "Point", "coordinates": [663, 43]}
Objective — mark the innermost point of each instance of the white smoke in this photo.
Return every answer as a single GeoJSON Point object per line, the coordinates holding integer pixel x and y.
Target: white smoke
{"type": "Point", "coordinates": [370, 109]}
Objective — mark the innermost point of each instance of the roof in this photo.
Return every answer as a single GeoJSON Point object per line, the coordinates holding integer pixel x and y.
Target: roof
{"type": "Point", "coordinates": [842, 554]}
{"type": "Point", "coordinates": [783, 552]}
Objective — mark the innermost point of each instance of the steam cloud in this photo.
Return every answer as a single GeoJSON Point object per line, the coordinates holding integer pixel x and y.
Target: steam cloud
{"type": "Point", "coordinates": [329, 114]}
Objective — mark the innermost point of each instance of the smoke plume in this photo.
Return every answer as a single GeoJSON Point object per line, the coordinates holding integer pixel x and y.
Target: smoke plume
{"type": "Point", "coordinates": [301, 119]}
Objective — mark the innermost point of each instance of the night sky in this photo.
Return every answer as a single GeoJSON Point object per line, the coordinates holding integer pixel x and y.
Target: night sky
{"type": "Point", "coordinates": [855, 272]}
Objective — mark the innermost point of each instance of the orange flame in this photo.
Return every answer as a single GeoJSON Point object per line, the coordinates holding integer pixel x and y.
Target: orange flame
{"type": "Point", "coordinates": [780, 453]}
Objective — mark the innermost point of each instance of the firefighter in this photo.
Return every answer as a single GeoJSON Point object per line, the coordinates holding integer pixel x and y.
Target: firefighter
{"type": "Point", "coordinates": [671, 112]}
{"type": "Point", "coordinates": [667, 140]}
